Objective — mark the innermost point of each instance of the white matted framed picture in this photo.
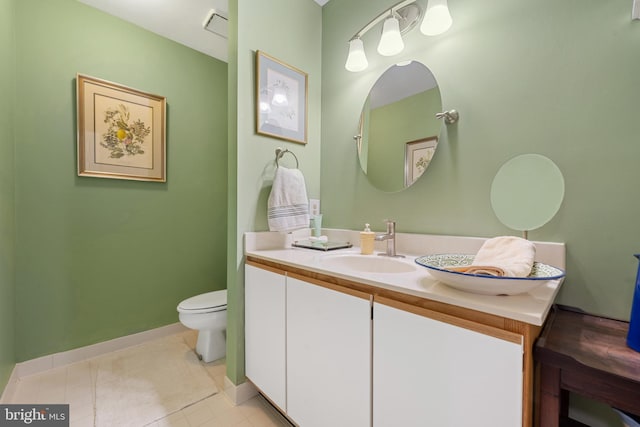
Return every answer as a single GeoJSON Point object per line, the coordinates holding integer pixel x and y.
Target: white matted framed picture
{"type": "Point", "coordinates": [281, 99]}
{"type": "Point", "coordinates": [417, 156]}
{"type": "Point", "coordinates": [121, 131]}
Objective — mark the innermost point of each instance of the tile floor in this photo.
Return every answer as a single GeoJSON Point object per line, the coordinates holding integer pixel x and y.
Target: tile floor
{"type": "Point", "coordinates": [75, 384]}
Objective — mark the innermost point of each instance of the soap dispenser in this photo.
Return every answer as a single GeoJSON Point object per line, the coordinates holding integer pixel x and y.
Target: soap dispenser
{"type": "Point", "coordinates": [367, 238]}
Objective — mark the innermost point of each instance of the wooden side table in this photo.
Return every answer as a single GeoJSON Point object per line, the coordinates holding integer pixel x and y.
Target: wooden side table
{"type": "Point", "coordinates": [587, 355]}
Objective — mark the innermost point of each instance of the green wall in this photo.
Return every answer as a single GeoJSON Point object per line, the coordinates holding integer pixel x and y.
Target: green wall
{"type": "Point", "coordinates": [101, 258]}
{"type": "Point", "coordinates": [265, 26]}
{"type": "Point", "coordinates": [391, 127]}
{"type": "Point", "coordinates": [558, 78]}
{"type": "Point", "coordinates": [235, 296]}
{"type": "Point", "coordinates": [7, 236]}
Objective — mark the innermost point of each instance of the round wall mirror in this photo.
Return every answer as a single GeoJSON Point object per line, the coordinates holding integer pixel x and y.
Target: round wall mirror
{"type": "Point", "coordinates": [527, 192]}
{"type": "Point", "coordinates": [399, 131]}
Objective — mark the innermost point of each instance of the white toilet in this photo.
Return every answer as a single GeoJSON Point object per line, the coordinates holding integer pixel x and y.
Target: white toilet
{"type": "Point", "coordinates": [207, 313]}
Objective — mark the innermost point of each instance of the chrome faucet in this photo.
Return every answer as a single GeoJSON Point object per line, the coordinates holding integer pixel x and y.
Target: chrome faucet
{"type": "Point", "coordinates": [390, 237]}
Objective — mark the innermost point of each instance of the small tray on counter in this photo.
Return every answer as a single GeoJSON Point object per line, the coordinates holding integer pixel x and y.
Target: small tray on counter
{"type": "Point", "coordinates": [321, 246]}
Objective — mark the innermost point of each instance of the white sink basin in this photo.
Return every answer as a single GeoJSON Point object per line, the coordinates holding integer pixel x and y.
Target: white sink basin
{"type": "Point", "coordinates": [367, 263]}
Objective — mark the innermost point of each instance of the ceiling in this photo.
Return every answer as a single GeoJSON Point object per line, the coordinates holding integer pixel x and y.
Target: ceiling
{"type": "Point", "coordinates": [171, 19]}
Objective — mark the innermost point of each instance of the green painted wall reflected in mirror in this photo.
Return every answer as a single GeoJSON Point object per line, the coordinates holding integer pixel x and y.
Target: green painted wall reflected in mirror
{"type": "Point", "coordinates": [398, 131]}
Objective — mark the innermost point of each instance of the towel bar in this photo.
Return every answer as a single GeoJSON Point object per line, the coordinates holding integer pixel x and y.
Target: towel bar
{"type": "Point", "coordinates": [280, 152]}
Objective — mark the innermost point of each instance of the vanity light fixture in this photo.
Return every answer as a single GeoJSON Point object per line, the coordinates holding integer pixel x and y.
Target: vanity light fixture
{"type": "Point", "coordinates": [357, 60]}
{"type": "Point", "coordinates": [437, 18]}
{"type": "Point", "coordinates": [390, 41]}
{"type": "Point", "coordinates": [398, 19]}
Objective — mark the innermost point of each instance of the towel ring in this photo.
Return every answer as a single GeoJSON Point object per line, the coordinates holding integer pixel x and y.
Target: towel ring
{"type": "Point", "coordinates": [280, 152]}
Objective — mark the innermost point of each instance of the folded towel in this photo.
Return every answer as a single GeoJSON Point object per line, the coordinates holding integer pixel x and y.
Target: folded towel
{"type": "Point", "coordinates": [506, 256]}
{"type": "Point", "coordinates": [482, 270]}
{"type": "Point", "coordinates": [288, 205]}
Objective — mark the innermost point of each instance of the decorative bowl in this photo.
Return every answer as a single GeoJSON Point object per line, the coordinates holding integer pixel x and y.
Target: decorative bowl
{"type": "Point", "coordinates": [439, 264]}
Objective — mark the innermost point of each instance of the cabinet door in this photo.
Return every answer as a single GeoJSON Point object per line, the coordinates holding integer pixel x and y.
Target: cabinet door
{"type": "Point", "coordinates": [328, 356]}
{"type": "Point", "coordinates": [431, 373]}
{"type": "Point", "coordinates": [265, 332]}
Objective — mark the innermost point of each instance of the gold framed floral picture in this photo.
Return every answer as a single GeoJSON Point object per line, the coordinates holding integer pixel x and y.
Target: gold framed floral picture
{"type": "Point", "coordinates": [121, 131]}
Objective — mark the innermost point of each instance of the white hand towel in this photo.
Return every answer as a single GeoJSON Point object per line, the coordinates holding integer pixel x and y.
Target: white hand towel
{"type": "Point", "coordinates": [288, 205]}
{"type": "Point", "coordinates": [506, 256]}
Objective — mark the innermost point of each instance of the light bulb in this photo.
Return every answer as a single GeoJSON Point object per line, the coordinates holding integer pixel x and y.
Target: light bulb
{"type": "Point", "coordinates": [356, 60]}
{"type": "Point", "coordinates": [391, 41]}
{"type": "Point", "coordinates": [437, 18]}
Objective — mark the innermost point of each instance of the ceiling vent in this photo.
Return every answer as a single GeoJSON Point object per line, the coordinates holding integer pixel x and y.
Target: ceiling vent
{"type": "Point", "coordinates": [217, 23]}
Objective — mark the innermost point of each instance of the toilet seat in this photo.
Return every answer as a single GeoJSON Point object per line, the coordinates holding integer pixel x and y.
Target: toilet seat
{"type": "Point", "coordinates": [204, 303]}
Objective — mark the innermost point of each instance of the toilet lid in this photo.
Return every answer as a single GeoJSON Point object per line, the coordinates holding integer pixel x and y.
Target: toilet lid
{"type": "Point", "coordinates": [209, 300]}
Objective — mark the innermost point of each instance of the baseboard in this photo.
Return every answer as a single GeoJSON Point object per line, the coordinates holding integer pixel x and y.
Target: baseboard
{"type": "Point", "coordinates": [64, 358]}
{"type": "Point", "coordinates": [238, 394]}
{"type": "Point", "coordinates": [10, 387]}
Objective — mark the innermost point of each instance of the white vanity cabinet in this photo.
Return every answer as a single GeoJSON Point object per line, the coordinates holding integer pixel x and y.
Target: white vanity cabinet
{"type": "Point", "coordinates": [328, 356]}
{"type": "Point", "coordinates": [308, 347]}
{"type": "Point", "coordinates": [330, 351]}
{"type": "Point", "coordinates": [430, 369]}
{"type": "Point", "coordinates": [265, 332]}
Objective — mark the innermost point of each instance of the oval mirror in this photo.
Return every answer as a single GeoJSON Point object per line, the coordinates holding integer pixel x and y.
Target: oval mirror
{"type": "Point", "coordinates": [527, 192]}
{"type": "Point", "coordinates": [399, 131]}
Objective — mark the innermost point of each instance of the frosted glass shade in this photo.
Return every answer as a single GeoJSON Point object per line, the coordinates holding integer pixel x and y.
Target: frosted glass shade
{"type": "Point", "coordinates": [437, 18]}
{"type": "Point", "coordinates": [391, 41]}
{"type": "Point", "coordinates": [356, 60]}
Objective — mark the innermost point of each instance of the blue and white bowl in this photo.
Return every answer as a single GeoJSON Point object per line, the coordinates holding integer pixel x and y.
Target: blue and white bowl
{"type": "Point", "coordinates": [439, 265]}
